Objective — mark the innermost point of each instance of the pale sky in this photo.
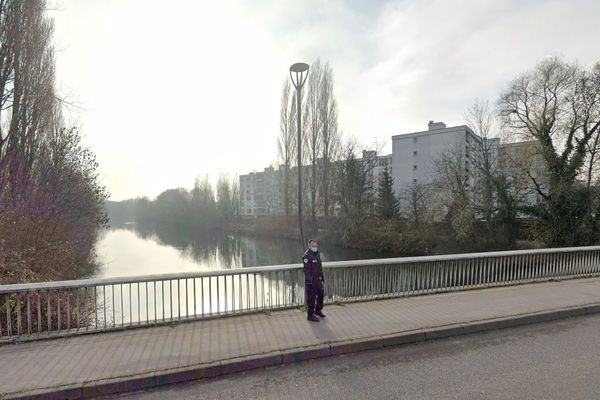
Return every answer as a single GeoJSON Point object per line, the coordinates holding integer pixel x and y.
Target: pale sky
{"type": "Point", "coordinates": [174, 90]}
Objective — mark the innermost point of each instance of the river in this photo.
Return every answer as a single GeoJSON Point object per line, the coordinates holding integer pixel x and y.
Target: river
{"type": "Point", "coordinates": [128, 250]}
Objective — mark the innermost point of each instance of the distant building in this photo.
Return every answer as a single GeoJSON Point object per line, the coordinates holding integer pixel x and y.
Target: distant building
{"type": "Point", "coordinates": [380, 164]}
{"type": "Point", "coordinates": [414, 157]}
{"type": "Point", "coordinates": [262, 193]}
{"type": "Point", "coordinates": [414, 154]}
{"type": "Point", "coordinates": [413, 160]}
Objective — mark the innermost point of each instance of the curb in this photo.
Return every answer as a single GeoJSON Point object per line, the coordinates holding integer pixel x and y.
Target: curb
{"type": "Point", "coordinates": [125, 384]}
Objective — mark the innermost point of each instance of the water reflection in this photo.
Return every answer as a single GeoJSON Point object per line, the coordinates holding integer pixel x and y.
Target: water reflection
{"type": "Point", "coordinates": [138, 250]}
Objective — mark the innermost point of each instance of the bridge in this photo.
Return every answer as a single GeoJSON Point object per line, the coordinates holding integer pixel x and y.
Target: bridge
{"type": "Point", "coordinates": [122, 334]}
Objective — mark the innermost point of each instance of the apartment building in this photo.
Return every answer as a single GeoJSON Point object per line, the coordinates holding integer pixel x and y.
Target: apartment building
{"type": "Point", "coordinates": [414, 155]}
{"type": "Point", "coordinates": [261, 193]}
{"type": "Point", "coordinates": [379, 164]}
{"type": "Point", "coordinates": [413, 160]}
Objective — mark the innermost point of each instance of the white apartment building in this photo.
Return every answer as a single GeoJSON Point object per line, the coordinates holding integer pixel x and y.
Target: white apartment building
{"type": "Point", "coordinates": [413, 160]}
{"type": "Point", "coordinates": [414, 157]}
{"type": "Point", "coordinates": [261, 193]}
{"type": "Point", "coordinates": [414, 154]}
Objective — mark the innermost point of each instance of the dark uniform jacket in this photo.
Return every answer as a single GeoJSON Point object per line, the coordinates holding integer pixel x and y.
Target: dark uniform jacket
{"type": "Point", "coordinates": [313, 270]}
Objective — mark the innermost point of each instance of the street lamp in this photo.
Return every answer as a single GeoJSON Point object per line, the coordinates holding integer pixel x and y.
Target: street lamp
{"type": "Point", "coordinates": [298, 75]}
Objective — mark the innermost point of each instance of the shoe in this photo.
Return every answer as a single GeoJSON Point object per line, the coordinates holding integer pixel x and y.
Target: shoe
{"type": "Point", "coordinates": [320, 314]}
{"type": "Point", "coordinates": [312, 318]}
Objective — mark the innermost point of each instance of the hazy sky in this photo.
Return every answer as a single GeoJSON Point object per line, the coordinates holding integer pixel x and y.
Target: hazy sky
{"type": "Point", "coordinates": [179, 89]}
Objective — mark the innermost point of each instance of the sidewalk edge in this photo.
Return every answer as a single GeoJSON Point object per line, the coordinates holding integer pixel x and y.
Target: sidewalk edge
{"type": "Point", "coordinates": [246, 363]}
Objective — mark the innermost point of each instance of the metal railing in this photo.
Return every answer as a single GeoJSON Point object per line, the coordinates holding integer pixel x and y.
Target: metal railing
{"type": "Point", "coordinates": [47, 309]}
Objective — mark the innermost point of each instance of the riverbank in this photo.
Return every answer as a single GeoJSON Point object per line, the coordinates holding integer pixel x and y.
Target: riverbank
{"type": "Point", "coordinates": [383, 237]}
{"type": "Point", "coordinates": [287, 228]}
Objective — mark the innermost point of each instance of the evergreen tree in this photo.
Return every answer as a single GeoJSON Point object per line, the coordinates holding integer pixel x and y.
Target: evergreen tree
{"type": "Point", "coordinates": [387, 205]}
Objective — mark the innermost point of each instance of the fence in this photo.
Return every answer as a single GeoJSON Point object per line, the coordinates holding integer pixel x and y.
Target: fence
{"type": "Point", "coordinates": [47, 309]}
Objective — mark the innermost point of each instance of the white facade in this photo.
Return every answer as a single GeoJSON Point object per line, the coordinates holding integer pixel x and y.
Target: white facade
{"type": "Point", "coordinates": [261, 193]}
{"type": "Point", "coordinates": [413, 160]}
{"type": "Point", "coordinates": [414, 154]}
{"type": "Point", "coordinates": [414, 157]}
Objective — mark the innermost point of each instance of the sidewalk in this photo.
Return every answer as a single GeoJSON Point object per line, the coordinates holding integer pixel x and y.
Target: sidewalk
{"type": "Point", "coordinates": [92, 365]}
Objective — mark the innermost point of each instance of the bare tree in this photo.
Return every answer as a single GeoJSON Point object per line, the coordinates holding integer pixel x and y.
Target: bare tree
{"type": "Point", "coordinates": [286, 143]}
{"type": "Point", "coordinates": [557, 105]}
{"type": "Point", "coordinates": [480, 118]}
{"type": "Point", "coordinates": [50, 197]}
{"type": "Point", "coordinates": [453, 186]}
{"type": "Point", "coordinates": [235, 197]}
{"type": "Point", "coordinates": [313, 124]}
{"type": "Point", "coordinates": [330, 136]}
{"type": "Point", "coordinates": [416, 204]}
{"type": "Point", "coordinates": [592, 166]}
{"type": "Point", "coordinates": [27, 73]}
{"type": "Point", "coordinates": [354, 189]}
{"type": "Point", "coordinates": [225, 201]}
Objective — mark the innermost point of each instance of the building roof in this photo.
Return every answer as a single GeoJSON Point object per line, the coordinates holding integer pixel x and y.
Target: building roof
{"type": "Point", "coordinates": [434, 129]}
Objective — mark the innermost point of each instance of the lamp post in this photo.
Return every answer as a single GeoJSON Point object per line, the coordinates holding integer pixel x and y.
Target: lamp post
{"type": "Point", "coordinates": [298, 75]}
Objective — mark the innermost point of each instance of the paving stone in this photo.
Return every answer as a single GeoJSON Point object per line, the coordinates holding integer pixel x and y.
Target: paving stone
{"type": "Point", "coordinates": [282, 335]}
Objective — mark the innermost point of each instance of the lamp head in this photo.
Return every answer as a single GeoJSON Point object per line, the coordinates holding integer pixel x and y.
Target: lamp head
{"type": "Point", "coordinates": [299, 67]}
{"type": "Point", "coordinates": [298, 74]}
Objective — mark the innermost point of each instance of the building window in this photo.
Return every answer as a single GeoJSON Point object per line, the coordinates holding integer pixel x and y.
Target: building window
{"type": "Point", "coordinates": [414, 153]}
{"type": "Point", "coordinates": [414, 181]}
{"type": "Point", "coordinates": [414, 167]}
{"type": "Point", "coordinates": [415, 140]}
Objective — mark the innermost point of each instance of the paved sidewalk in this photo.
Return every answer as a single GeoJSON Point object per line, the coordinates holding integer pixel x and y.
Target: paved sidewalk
{"type": "Point", "coordinates": [101, 363]}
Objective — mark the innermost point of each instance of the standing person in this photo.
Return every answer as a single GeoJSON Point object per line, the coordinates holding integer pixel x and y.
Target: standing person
{"type": "Point", "coordinates": [313, 281]}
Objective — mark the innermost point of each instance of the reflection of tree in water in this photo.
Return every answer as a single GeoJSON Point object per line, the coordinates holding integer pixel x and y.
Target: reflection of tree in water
{"type": "Point", "coordinates": [229, 248]}
{"type": "Point", "coordinates": [215, 249]}
{"type": "Point", "coordinates": [202, 249]}
{"type": "Point", "coordinates": [223, 250]}
{"type": "Point", "coordinates": [143, 231]}
{"type": "Point", "coordinates": [267, 251]}
{"type": "Point", "coordinates": [220, 249]}
{"type": "Point", "coordinates": [173, 236]}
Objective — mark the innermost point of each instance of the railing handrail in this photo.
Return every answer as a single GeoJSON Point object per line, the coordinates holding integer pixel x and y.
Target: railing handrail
{"type": "Point", "coordinates": [77, 283]}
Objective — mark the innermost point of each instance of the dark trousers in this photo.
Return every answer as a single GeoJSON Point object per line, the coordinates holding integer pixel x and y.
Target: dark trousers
{"type": "Point", "coordinates": [314, 296]}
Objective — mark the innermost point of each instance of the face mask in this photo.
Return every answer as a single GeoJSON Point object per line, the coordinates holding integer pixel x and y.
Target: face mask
{"type": "Point", "coordinates": [314, 249]}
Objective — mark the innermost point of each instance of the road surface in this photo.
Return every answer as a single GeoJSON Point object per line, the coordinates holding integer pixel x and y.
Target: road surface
{"type": "Point", "coordinates": [553, 360]}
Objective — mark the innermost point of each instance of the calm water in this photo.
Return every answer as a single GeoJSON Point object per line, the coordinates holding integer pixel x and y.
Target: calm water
{"type": "Point", "coordinates": [129, 251]}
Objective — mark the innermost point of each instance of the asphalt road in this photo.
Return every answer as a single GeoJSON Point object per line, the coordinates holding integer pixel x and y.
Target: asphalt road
{"type": "Point", "coordinates": [553, 360]}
